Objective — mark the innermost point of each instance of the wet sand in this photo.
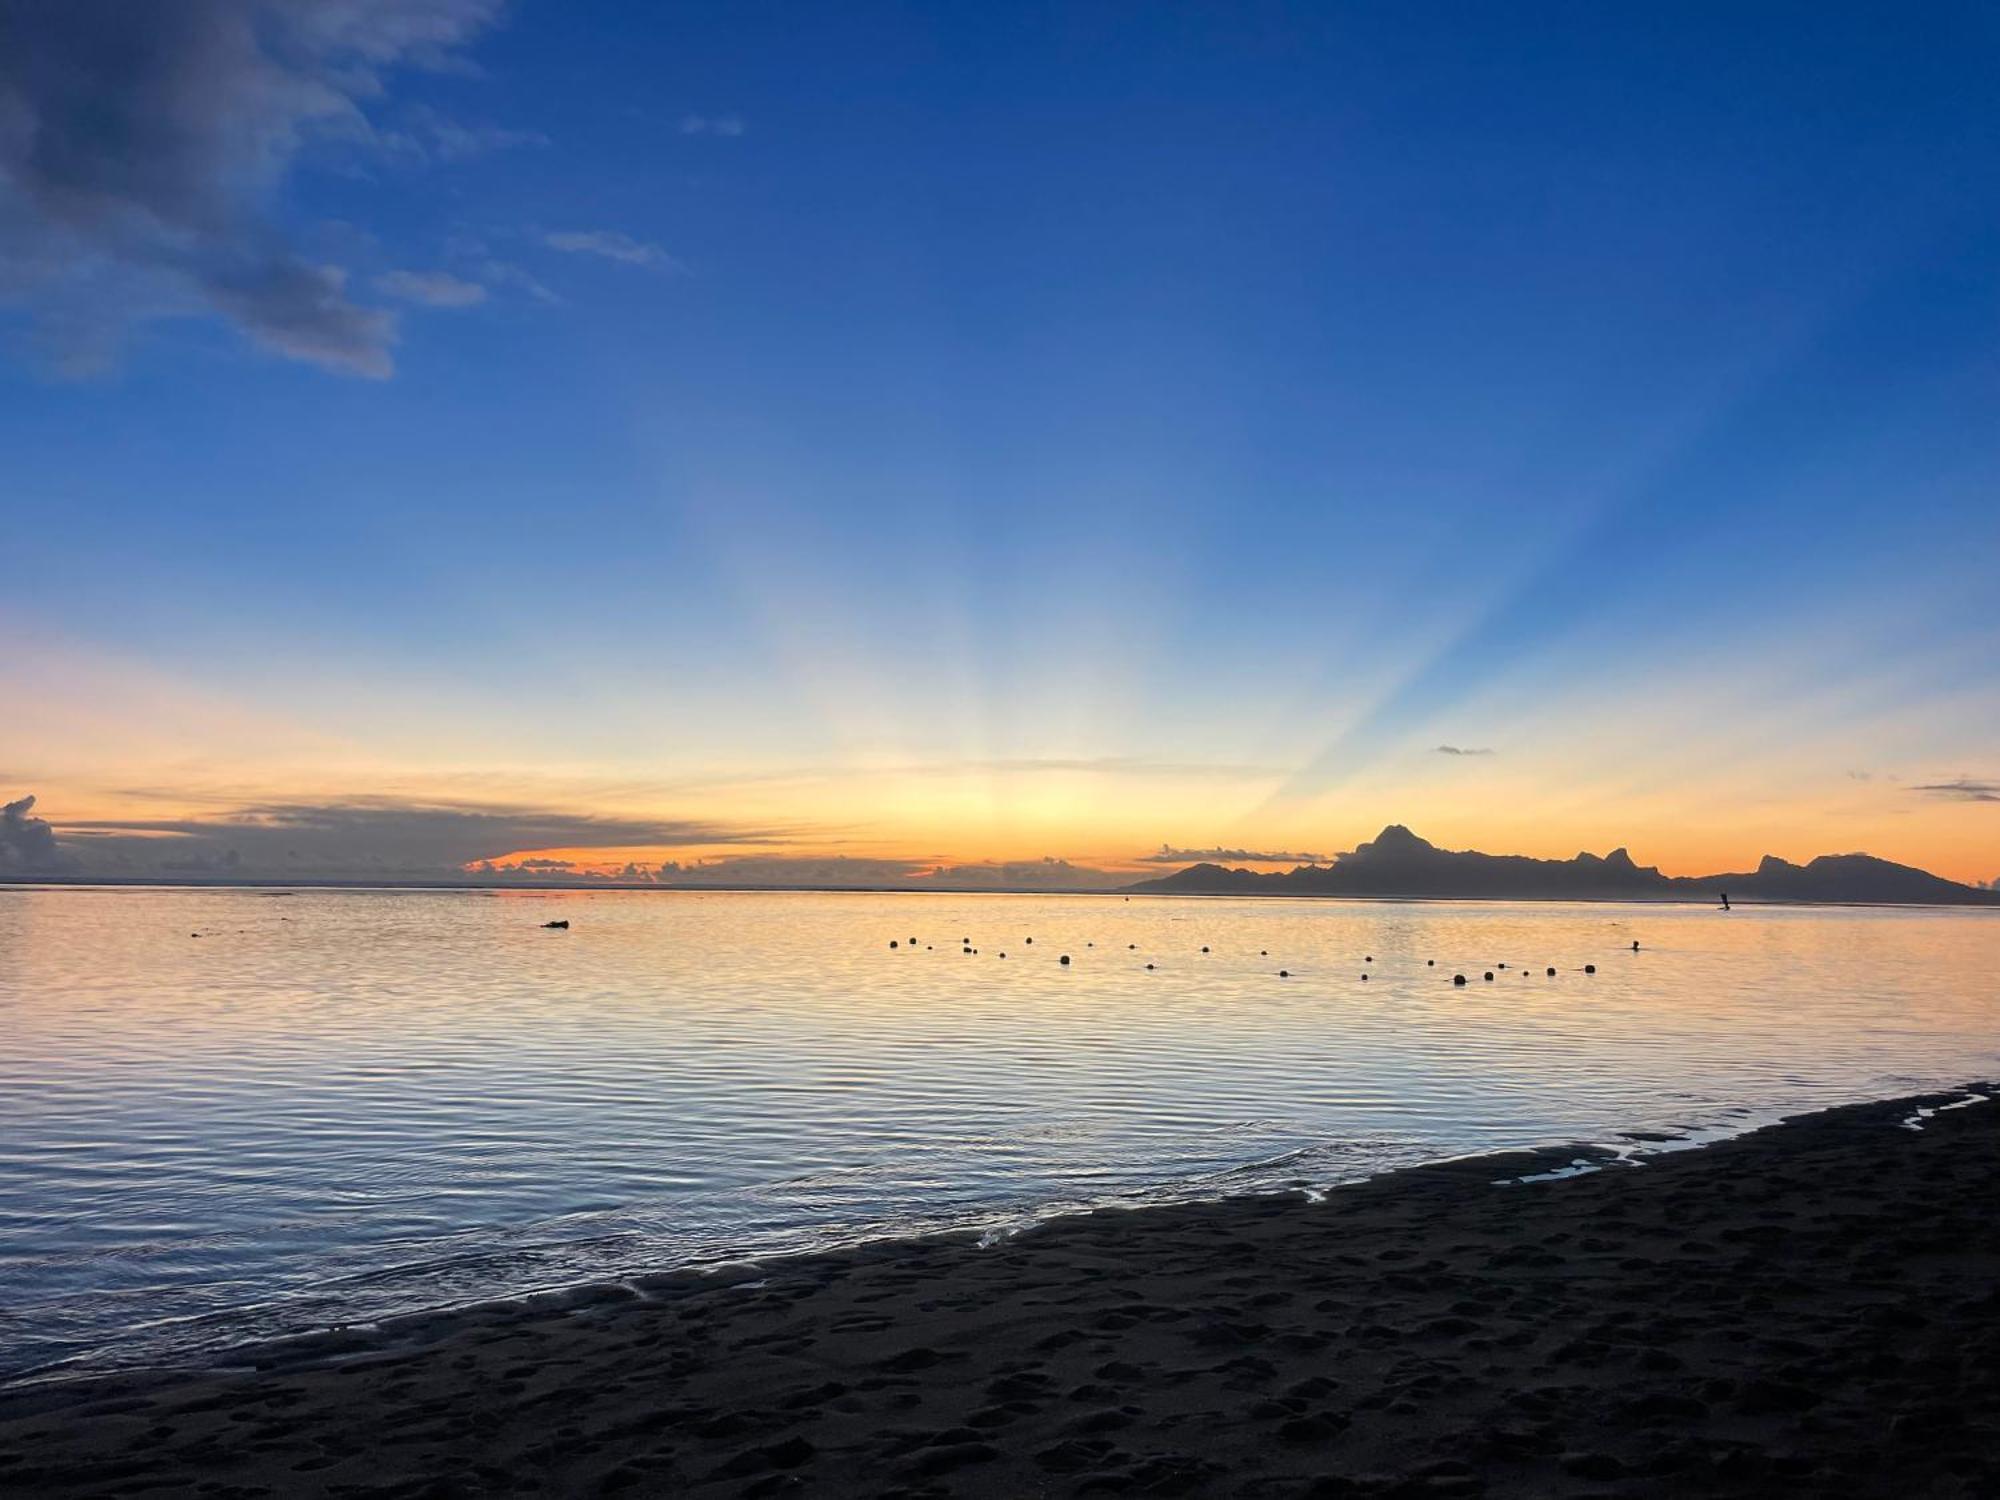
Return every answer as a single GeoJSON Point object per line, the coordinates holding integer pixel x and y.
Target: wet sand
{"type": "Point", "coordinates": [1812, 1309]}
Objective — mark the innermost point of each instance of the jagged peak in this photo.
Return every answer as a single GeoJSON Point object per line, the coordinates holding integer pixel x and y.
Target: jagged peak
{"type": "Point", "coordinates": [1396, 836]}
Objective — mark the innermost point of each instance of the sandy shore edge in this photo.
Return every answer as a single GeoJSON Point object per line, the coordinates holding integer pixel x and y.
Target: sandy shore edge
{"type": "Point", "coordinates": [1768, 1310]}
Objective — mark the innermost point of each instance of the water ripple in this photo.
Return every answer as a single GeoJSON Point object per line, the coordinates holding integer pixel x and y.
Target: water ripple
{"type": "Point", "coordinates": [351, 1104]}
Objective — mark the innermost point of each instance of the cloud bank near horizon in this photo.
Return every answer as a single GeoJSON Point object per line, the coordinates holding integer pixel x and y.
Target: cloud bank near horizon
{"type": "Point", "coordinates": [1168, 855]}
{"type": "Point", "coordinates": [26, 841]}
{"type": "Point", "coordinates": [357, 838]}
{"type": "Point", "coordinates": [1048, 873]}
{"type": "Point", "coordinates": [389, 838]}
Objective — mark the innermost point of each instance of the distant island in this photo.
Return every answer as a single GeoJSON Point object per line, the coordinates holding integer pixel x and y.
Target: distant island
{"type": "Point", "coordinates": [1398, 863]}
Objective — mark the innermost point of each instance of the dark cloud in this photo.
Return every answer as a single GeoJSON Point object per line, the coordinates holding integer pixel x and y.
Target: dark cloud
{"type": "Point", "coordinates": [1964, 789]}
{"type": "Point", "coordinates": [26, 842]}
{"type": "Point", "coordinates": [385, 838]}
{"type": "Point", "coordinates": [302, 312]}
{"type": "Point", "coordinates": [1169, 855]}
{"type": "Point", "coordinates": [140, 145]}
{"type": "Point", "coordinates": [1460, 750]}
{"type": "Point", "coordinates": [361, 837]}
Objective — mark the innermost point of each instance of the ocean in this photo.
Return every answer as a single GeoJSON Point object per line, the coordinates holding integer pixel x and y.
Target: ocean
{"type": "Point", "coordinates": [229, 1114]}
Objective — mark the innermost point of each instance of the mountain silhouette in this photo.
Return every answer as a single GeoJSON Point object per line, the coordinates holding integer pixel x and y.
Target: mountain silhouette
{"type": "Point", "coordinates": [1396, 862]}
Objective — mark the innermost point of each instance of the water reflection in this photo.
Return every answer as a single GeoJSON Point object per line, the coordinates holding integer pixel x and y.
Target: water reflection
{"type": "Point", "coordinates": [336, 1105]}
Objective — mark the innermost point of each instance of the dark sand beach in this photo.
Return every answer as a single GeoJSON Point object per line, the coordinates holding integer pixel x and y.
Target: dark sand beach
{"type": "Point", "coordinates": [1811, 1309]}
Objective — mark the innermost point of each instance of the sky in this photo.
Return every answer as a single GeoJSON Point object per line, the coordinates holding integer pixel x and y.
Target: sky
{"type": "Point", "coordinates": [1004, 444]}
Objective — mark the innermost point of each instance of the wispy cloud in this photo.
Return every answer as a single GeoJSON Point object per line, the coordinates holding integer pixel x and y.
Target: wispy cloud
{"type": "Point", "coordinates": [1463, 750]}
{"type": "Point", "coordinates": [1964, 789]}
{"type": "Point", "coordinates": [142, 144]}
{"type": "Point", "coordinates": [472, 257]}
{"type": "Point", "coordinates": [428, 136]}
{"type": "Point", "coordinates": [501, 273]}
{"type": "Point", "coordinates": [725, 125]}
{"type": "Point", "coordinates": [611, 244]}
{"type": "Point", "coordinates": [430, 288]}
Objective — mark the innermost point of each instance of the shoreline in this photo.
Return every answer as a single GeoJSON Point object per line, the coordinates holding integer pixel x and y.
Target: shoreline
{"type": "Point", "coordinates": [1553, 1160]}
{"type": "Point", "coordinates": [572, 888]}
{"type": "Point", "coordinates": [1225, 1346]}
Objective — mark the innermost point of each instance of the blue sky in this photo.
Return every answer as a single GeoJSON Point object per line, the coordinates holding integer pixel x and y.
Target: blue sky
{"type": "Point", "coordinates": [987, 432]}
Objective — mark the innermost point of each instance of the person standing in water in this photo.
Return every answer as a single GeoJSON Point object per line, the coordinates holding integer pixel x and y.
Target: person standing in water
{"type": "Point", "coordinates": [1725, 901]}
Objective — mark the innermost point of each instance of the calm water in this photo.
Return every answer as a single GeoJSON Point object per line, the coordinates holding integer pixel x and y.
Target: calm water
{"type": "Point", "coordinates": [336, 1105]}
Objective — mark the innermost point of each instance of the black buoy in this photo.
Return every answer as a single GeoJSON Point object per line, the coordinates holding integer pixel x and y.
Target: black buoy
{"type": "Point", "coordinates": [1369, 959]}
{"type": "Point", "coordinates": [1590, 968]}
{"type": "Point", "coordinates": [1064, 959]}
{"type": "Point", "coordinates": [1149, 966]}
{"type": "Point", "coordinates": [1027, 940]}
{"type": "Point", "coordinates": [1003, 955]}
{"type": "Point", "coordinates": [1430, 963]}
{"type": "Point", "coordinates": [892, 942]}
{"type": "Point", "coordinates": [1131, 947]}
{"type": "Point", "coordinates": [1503, 966]}
{"type": "Point", "coordinates": [1284, 973]}
{"type": "Point", "coordinates": [1204, 950]}
{"type": "Point", "coordinates": [1364, 978]}
{"type": "Point", "coordinates": [1458, 979]}
{"type": "Point", "coordinates": [1263, 952]}
{"type": "Point", "coordinates": [1489, 975]}
{"type": "Point", "coordinates": [1552, 973]}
